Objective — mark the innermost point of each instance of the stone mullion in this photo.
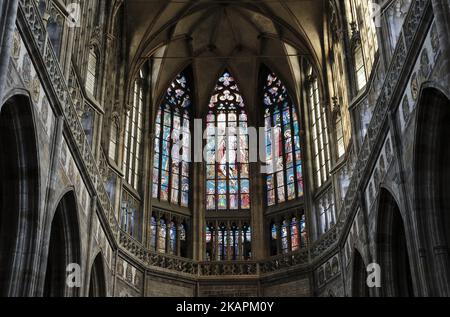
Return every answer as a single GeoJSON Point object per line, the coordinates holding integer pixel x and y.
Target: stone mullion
{"type": "Point", "coordinates": [289, 240]}
{"type": "Point", "coordinates": [216, 242]}
{"type": "Point", "coordinates": [279, 223]}
{"type": "Point", "coordinates": [226, 242]}
{"type": "Point", "coordinates": [240, 245]}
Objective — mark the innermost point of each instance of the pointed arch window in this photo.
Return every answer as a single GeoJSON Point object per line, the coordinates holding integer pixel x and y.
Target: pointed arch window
{"type": "Point", "coordinates": [284, 179]}
{"type": "Point", "coordinates": [227, 168]}
{"type": "Point", "coordinates": [319, 128]}
{"type": "Point", "coordinates": [91, 76]}
{"type": "Point", "coordinates": [172, 144]}
{"type": "Point", "coordinates": [363, 34]}
{"type": "Point", "coordinates": [133, 135]}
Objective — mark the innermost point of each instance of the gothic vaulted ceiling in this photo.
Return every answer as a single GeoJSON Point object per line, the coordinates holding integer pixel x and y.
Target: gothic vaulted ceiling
{"type": "Point", "coordinates": [214, 34]}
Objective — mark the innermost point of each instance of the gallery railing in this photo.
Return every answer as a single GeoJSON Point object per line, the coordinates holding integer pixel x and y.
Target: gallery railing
{"type": "Point", "coordinates": [155, 260]}
{"type": "Point", "coordinates": [29, 16]}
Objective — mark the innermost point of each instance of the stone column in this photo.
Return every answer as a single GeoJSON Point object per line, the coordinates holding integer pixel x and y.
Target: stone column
{"type": "Point", "coordinates": [240, 238]}
{"type": "Point", "coordinates": [198, 211]}
{"type": "Point", "coordinates": [8, 12]}
{"type": "Point", "coordinates": [257, 212]}
{"type": "Point", "coordinates": [216, 242]}
{"type": "Point", "coordinates": [168, 224]}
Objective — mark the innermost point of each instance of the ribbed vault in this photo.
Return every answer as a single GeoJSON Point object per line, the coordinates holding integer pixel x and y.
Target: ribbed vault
{"type": "Point", "coordinates": [212, 35]}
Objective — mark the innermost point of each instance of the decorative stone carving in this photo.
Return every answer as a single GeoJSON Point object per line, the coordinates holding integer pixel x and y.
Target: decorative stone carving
{"type": "Point", "coordinates": [405, 109]}
{"type": "Point", "coordinates": [414, 86]}
{"type": "Point", "coordinates": [425, 67]}
{"type": "Point", "coordinates": [17, 46]}
{"type": "Point", "coordinates": [435, 39]}
{"type": "Point", "coordinates": [26, 69]}
{"type": "Point", "coordinates": [35, 90]}
{"type": "Point", "coordinates": [44, 111]}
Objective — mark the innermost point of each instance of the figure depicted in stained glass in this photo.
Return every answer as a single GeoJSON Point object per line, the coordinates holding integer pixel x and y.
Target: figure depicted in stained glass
{"type": "Point", "coordinates": [172, 144]}
{"type": "Point", "coordinates": [227, 174]}
{"type": "Point", "coordinates": [284, 179]}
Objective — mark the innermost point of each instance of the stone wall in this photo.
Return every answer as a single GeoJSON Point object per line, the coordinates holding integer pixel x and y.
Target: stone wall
{"type": "Point", "coordinates": [163, 287]}
{"type": "Point", "coordinates": [294, 288]}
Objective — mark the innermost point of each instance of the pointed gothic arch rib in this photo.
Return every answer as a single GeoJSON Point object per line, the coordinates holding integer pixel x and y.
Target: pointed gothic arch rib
{"type": "Point", "coordinates": [97, 283]}
{"type": "Point", "coordinates": [64, 248]}
{"type": "Point", "coordinates": [359, 286]}
{"type": "Point", "coordinates": [19, 181]}
{"type": "Point", "coordinates": [392, 249]}
{"type": "Point", "coordinates": [431, 175]}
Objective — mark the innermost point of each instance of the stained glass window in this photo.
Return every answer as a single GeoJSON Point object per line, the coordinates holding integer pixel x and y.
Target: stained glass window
{"type": "Point", "coordinates": [288, 234]}
{"type": "Point", "coordinates": [172, 144]}
{"type": "Point", "coordinates": [227, 169]}
{"type": "Point", "coordinates": [283, 149]}
{"type": "Point", "coordinates": [304, 237]}
{"type": "Point", "coordinates": [295, 235]}
{"type": "Point", "coordinates": [162, 233]}
{"type": "Point", "coordinates": [172, 238]}
{"type": "Point", "coordinates": [153, 226]}
{"type": "Point", "coordinates": [228, 242]}
{"type": "Point", "coordinates": [284, 237]}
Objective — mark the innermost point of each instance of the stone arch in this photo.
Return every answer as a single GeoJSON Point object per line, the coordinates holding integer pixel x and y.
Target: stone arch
{"type": "Point", "coordinates": [97, 282]}
{"type": "Point", "coordinates": [392, 249]}
{"type": "Point", "coordinates": [64, 248]}
{"type": "Point", "coordinates": [19, 196]}
{"type": "Point", "coordinates": [431, 172]}
{"type": "Point", "coordinates": [359, 285]}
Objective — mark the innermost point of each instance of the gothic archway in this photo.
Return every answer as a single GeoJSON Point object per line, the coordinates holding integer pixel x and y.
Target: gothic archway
{"type": "Point", "coordinates": [431, 183]}
{"type": "Point", "coordinates": [97, 283]}
{"type": "Point", "coordinates": [64, 249]}
{"type": "Point", "coordinates": [392, 249]}
{"type": "Point", "coordinates": [359, 285]}
{"type": "Point", "coordinates": [19, 198]}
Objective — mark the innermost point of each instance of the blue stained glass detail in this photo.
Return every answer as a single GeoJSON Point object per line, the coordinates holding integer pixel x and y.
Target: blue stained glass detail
{"type": "Point", "coordinates": [174, 114]}
{"type": "Point", "coordinates": [284, 145]}
{"type": "Point", "coordinates": [227, 155]}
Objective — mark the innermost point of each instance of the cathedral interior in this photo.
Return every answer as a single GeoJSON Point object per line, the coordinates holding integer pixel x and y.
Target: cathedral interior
{"type": "Point", "coordinates": [224, 148]}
